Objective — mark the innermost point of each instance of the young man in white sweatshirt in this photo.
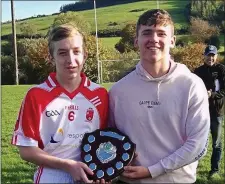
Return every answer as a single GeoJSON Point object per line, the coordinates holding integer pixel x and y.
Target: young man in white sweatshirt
{"type": "Point", "coordinates": [162, 107]}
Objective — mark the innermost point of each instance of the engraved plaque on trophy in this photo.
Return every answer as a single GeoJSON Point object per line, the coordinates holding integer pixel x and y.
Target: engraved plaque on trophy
{"type": "Point", "coordinates": [106, 152]}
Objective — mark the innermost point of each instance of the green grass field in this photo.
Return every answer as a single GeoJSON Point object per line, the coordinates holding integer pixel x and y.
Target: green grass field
{"type": "Point", "coordinates": [121, 14]}
{"type": "Point", "coordinates": [14, 169]}
{"type": "Point", "coordinates": [109, 42]}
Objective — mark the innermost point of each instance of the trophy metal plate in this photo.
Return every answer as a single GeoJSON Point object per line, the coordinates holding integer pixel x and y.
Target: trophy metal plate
{"type": "Point", "coordinates": [106, 152]}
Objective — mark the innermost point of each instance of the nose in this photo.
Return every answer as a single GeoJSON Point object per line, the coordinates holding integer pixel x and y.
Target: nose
{"type": "Point", "coordinates": [211, 57]}
{"type": "Point", "coordinates": [71, 58]}
{"type": "Point", "coordinates": [154, 37]}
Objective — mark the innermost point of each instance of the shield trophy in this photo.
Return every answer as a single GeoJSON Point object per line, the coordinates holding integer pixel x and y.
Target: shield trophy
{"type": "Point", "coordinates": [106, 152]}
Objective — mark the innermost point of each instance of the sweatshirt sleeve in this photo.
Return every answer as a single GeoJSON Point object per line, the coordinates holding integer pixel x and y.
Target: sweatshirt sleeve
{"type": "Point", "coordinates": [103, 93]}
{"type": "Point", "coordinates": [197, 130]}
{"type": "Point", "coordinates": [111, 119]}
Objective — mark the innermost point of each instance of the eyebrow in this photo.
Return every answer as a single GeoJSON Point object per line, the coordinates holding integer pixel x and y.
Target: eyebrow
{"type": "Point", "coordinates": [151, 30]}
{"type": "Point", "coordinates": [75, 48]}
{"type": "Point", "coordinates": [62, 50]}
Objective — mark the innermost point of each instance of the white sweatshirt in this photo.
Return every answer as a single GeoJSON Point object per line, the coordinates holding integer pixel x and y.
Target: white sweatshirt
{"type": "Point", "coordinates": [168, 120]}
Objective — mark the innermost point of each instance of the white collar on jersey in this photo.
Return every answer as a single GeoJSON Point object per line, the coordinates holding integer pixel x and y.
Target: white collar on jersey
{"type": "Point", "coordinates": [52, 80]}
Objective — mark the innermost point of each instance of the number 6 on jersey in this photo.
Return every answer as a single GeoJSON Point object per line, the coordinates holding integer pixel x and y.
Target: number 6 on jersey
{"type": "Point", "coordinates": [71, 115]}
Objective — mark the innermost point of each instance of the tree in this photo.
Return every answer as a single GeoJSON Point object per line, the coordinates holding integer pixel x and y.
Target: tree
{"type": "Point", "coordinates": [201, 30]}
{"type": "Point", "coordinates": [207, 9]}
{"type": "Point", "coordinates": [190, 55]}
{"type": "Point", "coordinates": [126, 43]}
{"type": "Point", "coordinates": [28, 29]}
{"type": "Point", "coordinates": [75, 19]}
{"type": "Point", "coordinates": [35, 53]}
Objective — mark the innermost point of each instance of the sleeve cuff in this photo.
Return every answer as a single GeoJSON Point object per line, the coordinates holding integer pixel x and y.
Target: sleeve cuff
{"type": "Point", "coordinates": [20, 140]}
{"type": "Point", "coordinates": [156, 170]}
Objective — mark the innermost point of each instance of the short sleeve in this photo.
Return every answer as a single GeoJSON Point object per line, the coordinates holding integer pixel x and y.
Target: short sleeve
{"type": "Point", "coordinates": [26, 132]}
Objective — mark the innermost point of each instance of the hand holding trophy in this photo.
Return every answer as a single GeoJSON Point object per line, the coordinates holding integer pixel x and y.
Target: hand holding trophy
{"type": "Point", "coordinates": [106, 152]}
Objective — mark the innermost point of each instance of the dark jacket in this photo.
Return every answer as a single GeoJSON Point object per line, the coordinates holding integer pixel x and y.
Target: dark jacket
{"type": "Point", "coordinates": [209, 74]}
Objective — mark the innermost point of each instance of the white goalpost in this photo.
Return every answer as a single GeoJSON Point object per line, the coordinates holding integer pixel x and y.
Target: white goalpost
{"type": "Point", "coordinates": [97, 54]}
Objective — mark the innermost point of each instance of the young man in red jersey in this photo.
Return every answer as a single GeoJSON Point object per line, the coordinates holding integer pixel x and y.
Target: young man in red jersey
{"type": "Point", "coordinates": [56, 114]}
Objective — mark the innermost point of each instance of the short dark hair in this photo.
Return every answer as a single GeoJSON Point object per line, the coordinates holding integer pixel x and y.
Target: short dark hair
{"type": "Point", "coordinates": [155, 17]}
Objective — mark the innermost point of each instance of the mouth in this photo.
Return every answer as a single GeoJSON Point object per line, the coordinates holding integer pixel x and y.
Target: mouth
{"type": "Point", "coordinates": [70, 67]}
{"type": "Point", "coordinates": [152, 48]}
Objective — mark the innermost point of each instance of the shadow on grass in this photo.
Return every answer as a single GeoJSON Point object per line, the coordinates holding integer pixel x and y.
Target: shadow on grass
{"type": "Point", "coordinates": [203, 173]}
{"type": "Point", "coordinates": [220, 179]}
{"type": "Point", "coordinates": [213, 181]}
{"type": "Point", "coordinates": [11, 175]}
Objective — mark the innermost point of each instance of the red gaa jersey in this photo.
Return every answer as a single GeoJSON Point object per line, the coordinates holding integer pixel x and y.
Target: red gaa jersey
{"type": "Point", "coordinates": [55, 120]}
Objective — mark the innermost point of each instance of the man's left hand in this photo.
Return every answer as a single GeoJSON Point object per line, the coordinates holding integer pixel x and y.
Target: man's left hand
{"type": "Point", "coordinates": [136, 172]}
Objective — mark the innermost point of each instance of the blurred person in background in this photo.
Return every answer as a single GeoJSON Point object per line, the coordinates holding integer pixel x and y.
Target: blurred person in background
{"type": "Point", "coordinates": [213, 75]}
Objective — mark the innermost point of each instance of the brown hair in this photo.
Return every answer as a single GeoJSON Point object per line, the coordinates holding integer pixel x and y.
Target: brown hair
{"type": "Point", "coordinates": [61, 32]}
{"type": "Point", "coordinates": [155, 17]}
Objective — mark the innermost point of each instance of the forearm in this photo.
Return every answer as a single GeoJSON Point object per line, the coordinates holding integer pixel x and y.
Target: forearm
{"type": "Point", "coordinates": [194, 147]}
{"type": "Point", "coordinates": [185, 155]}
{"type": "Point", "coordinates": [218, 94]}
{"type": "Point", "coordinates": [78, 170]}
{"type": "Point", "coordinates": [195, 139]}
{"type": "Point", "coordinates": [39, 157]}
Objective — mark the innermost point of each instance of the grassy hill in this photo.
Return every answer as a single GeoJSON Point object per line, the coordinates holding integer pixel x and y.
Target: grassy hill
{"type": "Point", "coordinates": [121, 14]}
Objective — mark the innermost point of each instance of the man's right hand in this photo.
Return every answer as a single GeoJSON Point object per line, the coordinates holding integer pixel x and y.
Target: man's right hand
{"type": "Point", "coordinates": [78, 171]}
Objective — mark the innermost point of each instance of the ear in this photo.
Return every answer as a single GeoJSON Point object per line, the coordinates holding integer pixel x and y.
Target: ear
{"type": "Point", "coordinates": [173, 42]}
{"type": "Point", "coordinates": [85, 55]}
{"type": "Point", "coordinates": [135, 42]}
{"type": "Point", "coordinates": [51, 59]}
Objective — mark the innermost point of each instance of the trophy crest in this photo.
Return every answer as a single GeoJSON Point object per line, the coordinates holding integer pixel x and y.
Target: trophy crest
{"type": "Point", "coordinates": [106, 152]}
